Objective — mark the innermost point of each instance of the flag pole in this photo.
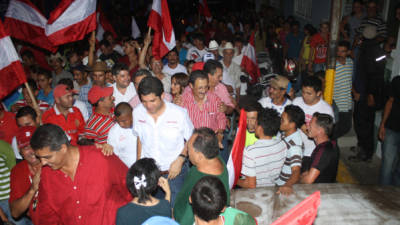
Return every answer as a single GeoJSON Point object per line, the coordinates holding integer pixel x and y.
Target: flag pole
{"type": "Point", "coordinates": [35, 104]}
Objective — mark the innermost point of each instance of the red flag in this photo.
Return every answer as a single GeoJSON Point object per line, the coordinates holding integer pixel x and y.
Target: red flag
{"type": "Point", "coordinates": [203, 10]}
{"type": "Point", "coordinates": [234, 164]}
{"type": "Point", "coordinates": [103, 25]}
{"type": "Point", "coordinates": [249, 61]}
{"type": "Point", "coordinates": [25, 22]}
{"type": "Point", "coordinates": [160, 22]}
{"type": "Point", "coordinates": [12, 73]}
{"type": "Point", "coordinates": [71, 21]}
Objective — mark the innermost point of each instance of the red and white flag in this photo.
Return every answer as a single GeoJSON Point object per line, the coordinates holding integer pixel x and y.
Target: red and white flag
{"type": "Point", "coordinates": [135, 29]}
{"type": "Point", "coordinates": [249, 61]}
{"type": "Point", "coordinates": [103, 25]}
{"type": "Point", "coordinates": [203, 10]}
{"type": "Point", "coordinates": [234, 164]}
{"type": "Point", "coordinates": [25, 22]}
{"type": "Point", "coordinates": [160, 22]}
{"type": "Point", "coordinates": [12, 73]}
{"type": "Point", "coordinates": [71, 21]}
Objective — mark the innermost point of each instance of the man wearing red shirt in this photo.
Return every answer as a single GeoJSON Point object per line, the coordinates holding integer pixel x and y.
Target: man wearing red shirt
{"type": "Point", "coordinates": [319, 49]}
{"type": "Point", "coordinates": [25, 177]}
{"type": "Point", "coordinates": [63, 113]}
{"type": "Point", "coordinates": [78, 185]}
{"type": "Point", "coordinates": [203, 106]}
{"type": "Point", "coordinates": [101, 120]}
{"type": "Point", "coordinates": [8, 126]}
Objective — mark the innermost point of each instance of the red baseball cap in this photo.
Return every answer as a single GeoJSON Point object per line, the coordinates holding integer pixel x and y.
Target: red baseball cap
{"type": "Point", "coordinates": [198, 66]}
{"type": "Point", "coordinates": [61, 90]}
{"type": "Point", "coordinates": [24, 135]}
{"type": "Point", "coordinates": [97, 92]}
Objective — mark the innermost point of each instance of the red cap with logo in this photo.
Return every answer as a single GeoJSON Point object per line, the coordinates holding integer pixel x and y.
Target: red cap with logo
{"type": "Point", "coordinates": [24, 135]}
{"type": "Point", "coordinates": [97, 92]}
{"type": "Point", "coordinates": [61, 90]}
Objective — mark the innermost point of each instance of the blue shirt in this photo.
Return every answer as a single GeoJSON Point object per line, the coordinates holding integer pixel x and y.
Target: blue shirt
{"type": "Point", "coordinates": [49, 98]}
{"type": "Point", "coordinates": [83, 96]}
{"type": "Point", "coordinates": [294, 44]}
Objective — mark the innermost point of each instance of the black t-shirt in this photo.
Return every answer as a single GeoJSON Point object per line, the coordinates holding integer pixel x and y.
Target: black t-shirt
{"type": "Point", "coordinates": [325, 158]}
{"type": "Point", "coordinates": [132, 214]}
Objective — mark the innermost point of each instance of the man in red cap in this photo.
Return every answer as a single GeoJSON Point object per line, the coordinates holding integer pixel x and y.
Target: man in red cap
{"type": "Point", "coordinates": [25, 177]}
{"type": "Point", "coordinates": [63, 113]}
{"type": "Point", "coordinates": [101, 121]}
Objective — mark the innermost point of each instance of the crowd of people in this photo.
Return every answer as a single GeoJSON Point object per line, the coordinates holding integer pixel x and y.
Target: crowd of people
{"type": "Point", "coordinates": [105, 133]}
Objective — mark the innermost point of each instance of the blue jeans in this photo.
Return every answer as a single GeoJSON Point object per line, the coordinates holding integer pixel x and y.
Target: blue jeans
{"type": "Point", "coordinates": [390, 167]}
{"type": "Point", "coordinates": [6, 209]}
{"type": "Point", "coordinates": [175, 184]}
{"type": "Point", "coordinates": [319, 67]}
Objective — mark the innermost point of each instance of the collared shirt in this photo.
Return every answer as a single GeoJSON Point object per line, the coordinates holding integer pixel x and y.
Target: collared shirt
{"type": "Point", "coordinates": [124, 143]}
{"type": "Point", "coordinates": [162, 140]}
{"type": "Point", "coordinates": [43, 106]}
{"type": "Point", "coordinates": [83, 96]}
{"type": "Point", "coordinates": [129, 93]}
{"type": "Point", "coordinates": [178, 69]}
{"type": "Point", "coordinates": [135, 101]}
{"type": "Point", "coordinates": [93, 197]}
{"type": "Point", "coordinates": [266, 102]}
{"type": "Point", "coordinates": [220, 90]}
{"type": "Point", "coordinates": [97, 127]}
{"type": "Point", "coordinates": [264, 160]}
{"type": "Point", "coordinates": [293, 157]}
{"type": "Point", "coordinates": [206, 116]}
{"type": "Point", "coordinates": [20, 182]}
{"type": "Point", "coordinates": [233, 71]}
{"type": "Point", "coordinates": [73, 124]}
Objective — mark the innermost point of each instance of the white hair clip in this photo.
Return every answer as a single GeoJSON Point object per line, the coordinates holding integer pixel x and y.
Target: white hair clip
{"type": "Point", "coordinates": [139, 182]}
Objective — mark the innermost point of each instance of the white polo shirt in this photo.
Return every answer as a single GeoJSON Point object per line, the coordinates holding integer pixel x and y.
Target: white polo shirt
{"type": "Point", "coordinates": [124, 143]}
{"type": "Point", "coordinates": [162, 140]}
{"type": "Point", "coordinates": [129, 94]}
{"type": "Point", "coordinates": [178, 69]}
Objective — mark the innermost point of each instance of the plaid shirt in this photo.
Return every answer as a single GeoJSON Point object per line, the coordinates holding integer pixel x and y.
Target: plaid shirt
{"type": "Point", "coordinates": [83, 96]}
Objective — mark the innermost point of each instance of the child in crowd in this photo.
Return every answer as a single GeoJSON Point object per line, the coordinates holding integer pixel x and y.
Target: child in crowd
{"type": "Point", "coordinates": [178, 83]}
{"type": "Point", "coordinates": [142, 180]}
{"type": "Point", "coordinates": [44, 81]}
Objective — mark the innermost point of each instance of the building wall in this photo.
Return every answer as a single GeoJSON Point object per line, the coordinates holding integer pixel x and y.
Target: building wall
{"type": "Point", "coordinates": [320, 11]}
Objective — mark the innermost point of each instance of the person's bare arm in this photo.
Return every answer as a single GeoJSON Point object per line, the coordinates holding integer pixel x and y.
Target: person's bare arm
{"type": "Point", "coordinates": [143, 52]}
{"type": "Point", "coordinates": [139, 149]}
{"type": "Point", "coordinates": [248, 182]}
{"type": "Point", "coordinates": [386, 113]}
{"type": "Point", "coordinates": [310, 176]}
{"type": "Point", "coordinates": [287, 188]}
{"type": "Point", "coordinates": [92, 43]}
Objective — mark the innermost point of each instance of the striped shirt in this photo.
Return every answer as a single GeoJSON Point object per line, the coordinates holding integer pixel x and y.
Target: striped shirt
{"type": "Point", "coordinates": [7, 162]}
{"type": "Point", "coordinates": [221, 91]}
{"type": "Point", "coordinates": [97, 127]}
{"type": "Point", "coordinates": [43, 106]}
{"type": "Point", "coordinates": [264, 160]}
{"type": "Point", "coordinates": [293, 157]}
{"type": "Point", "coordinates": [208, 114]}
{"type": "Point", "coordinates": [343, 85]}
{"type": "Point", "coordinates": [381, 29]}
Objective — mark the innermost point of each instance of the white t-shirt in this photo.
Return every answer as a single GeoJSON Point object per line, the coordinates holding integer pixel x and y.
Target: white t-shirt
{"type": "Point", "coordinates": [83, 108]}
{"type": "Point", "coordinates": [309, 110]}
{"type": "Point", "coordinates": [178, 69]}
{"type": "Point", "coordinates": [14, 146]}
{"type": "Point", "coordinates": [129, 93]}
{"type": "Point", "coordinates": [195, 54]}
{"type": "Point", "coordinates": [266, 102]}
{"type": "Point", "coordinates": [124, 143]}
{"type": "Point", "coordinates": [233, 72]}
{"type": "Point", "coordinates": [162, 140]}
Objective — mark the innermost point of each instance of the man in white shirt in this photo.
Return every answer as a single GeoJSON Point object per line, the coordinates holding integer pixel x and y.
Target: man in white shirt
{"type": "Point", "coordinates": [277, 99]}
{"type": "Point", "coordinates": [124, 90]}
{"type": "Point", "coordinates": [197, 52]}
{"type": "Point", "coordinates": [121, 136]}
{"type": "Point", "coordinates": [311, 102]}
{"type": "Point", "coordinates": [173, 65]}
{"type": "Point", "coordinates": [162, 129]}
{"type": "Point", "coordinates": [231, 70]}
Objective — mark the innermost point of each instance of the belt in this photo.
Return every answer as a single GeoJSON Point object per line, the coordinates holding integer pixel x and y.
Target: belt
{"type": "Point", "coordinates": [165, 172]}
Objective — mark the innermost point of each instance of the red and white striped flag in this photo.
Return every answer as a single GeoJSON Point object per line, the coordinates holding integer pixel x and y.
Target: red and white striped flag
{"type": "Point", "coordinates": [249, 60]}
{"type": "Point", "coordinates": [234, 164]}
{"type": "Point", "coordinates": [160, 22]}
{"type": "Point", "coordinates": [25, 22]}
{"type": "Point", "coordinates": [103, 25]}
{"type": "Point", "coordinates": [71, 21]}
{"type": "Point", "coordinates": [12, 73]}
{"type": "Point", "coordinates": [203, 10]}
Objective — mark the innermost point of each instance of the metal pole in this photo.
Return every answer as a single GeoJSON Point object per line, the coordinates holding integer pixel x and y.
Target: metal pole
{"type": "Point", "coordinates": [336, 8]}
